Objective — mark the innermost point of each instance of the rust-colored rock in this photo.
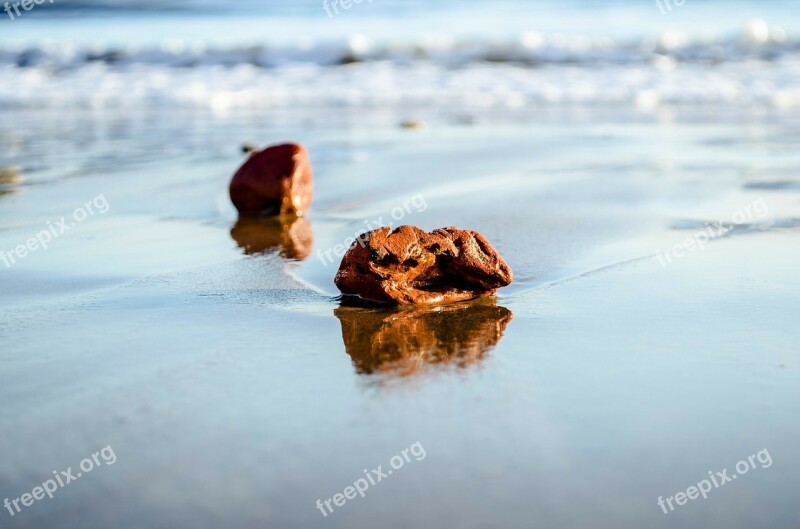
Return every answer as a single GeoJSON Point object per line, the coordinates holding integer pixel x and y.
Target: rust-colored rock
{"type": "Point", "coordinates": [410, 266]}
{"type": "Point", "coordinates": [275, 181]}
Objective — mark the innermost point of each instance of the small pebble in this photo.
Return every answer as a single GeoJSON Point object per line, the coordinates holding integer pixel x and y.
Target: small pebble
{"type": "Point", "coordinates": [413, 124]}
{"type": "Point", "coordinates": [10, 175]}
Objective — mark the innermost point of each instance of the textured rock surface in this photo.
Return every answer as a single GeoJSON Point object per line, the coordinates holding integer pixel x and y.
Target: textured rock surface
{"type": "Point", "coordinates": [410, 266]}
{"type": "Point", "coordinates": [275, 181]}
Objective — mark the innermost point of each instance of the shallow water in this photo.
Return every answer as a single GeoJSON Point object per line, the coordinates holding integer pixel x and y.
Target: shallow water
{"type": "Point", "coordinates": [235, 391]}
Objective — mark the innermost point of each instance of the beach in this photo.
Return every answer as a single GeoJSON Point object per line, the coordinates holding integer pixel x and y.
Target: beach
{"type": "Point", "coordinates": [649, 208]}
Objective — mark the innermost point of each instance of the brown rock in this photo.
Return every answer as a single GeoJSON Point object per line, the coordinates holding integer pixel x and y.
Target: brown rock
{"type": "Point", "coordinates": [410, 266]}
{"type": "Point", "coordinates": [275, 181]}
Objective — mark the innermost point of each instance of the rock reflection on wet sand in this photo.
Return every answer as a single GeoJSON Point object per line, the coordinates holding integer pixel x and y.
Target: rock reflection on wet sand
{"type": "Point", "coordinates": [405, 341]}
{"type": "Point", "coordinates": [292, 237]}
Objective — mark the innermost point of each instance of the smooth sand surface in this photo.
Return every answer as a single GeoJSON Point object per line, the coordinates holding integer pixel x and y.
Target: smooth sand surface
{"type": "Point", "coordinates": [216, 360]}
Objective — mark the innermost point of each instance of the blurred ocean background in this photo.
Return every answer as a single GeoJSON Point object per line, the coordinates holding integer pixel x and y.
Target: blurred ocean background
{"type": "Point", "coordinates": [504, 54]}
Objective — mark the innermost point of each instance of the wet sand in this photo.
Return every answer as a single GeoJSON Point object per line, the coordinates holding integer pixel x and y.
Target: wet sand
{"type": "Point", "coordinates": [216, 359]}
